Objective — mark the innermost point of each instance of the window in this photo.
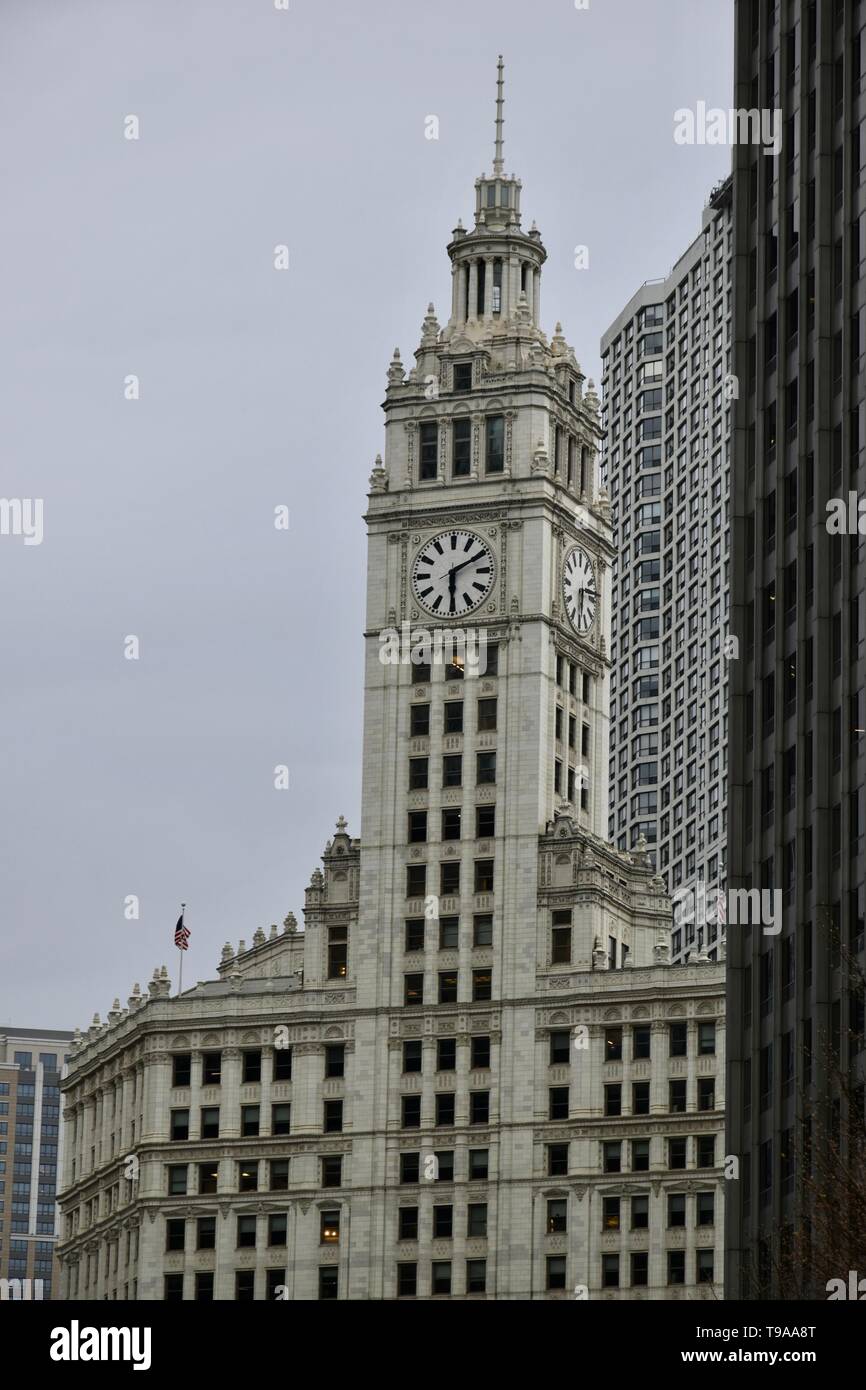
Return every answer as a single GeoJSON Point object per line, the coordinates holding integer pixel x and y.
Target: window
{"type": "Point", "coordinates": [612, 1100]}
{"type": "Point", "coordinates": [443, 1222]}
{"type": "Point", "coordinates": [332, 1170]}
{"type": "Point", "coordinates": [639, 1213]}
{"type": "Point", "coordinates": [482, 985]}
{"type": "Point", "coordinates": [418, 775]}
{"type": "Point", "coordinates": [445, 1108]}
{"type": "Point", "coordinates": [705, 1213]}
{"type": "Point", "coordinates": [479, 1107]}
{"type": "Point", "coordinates": [410, 1168]}
{"type": "Point", "coordinates": [677, 1096]}
{"type": "Point", "coordinates": [413, 989]}
{"type": "Point", "coordinates": [479, 1052]}
{"type": "Point", "coordinates": [483, 875]}
{"type": "Point", "coordinates": [245, 1285]}
{"type": "Point", "coordinates": [610, 1271]}
{"type": "Point", "coordinates": [494, 456]}
{"type": "Point", "coordinates": [485, 822]}
{"type": "Point", "coordinates": [612, 1044]}
{"type": "Point", "coordinates": [281, 1119]}
{"type": "Point", "coordinates": [485, 772]}
{"type": "Point", "coordinates": [557, 1161]}
{"type": "Point", "coordinates": [482, 930]}
{"type": "Point", "coordinates": [706, 1093]}
{"type": "Point", "coordinates": [461, 457]}
{"type": "Point", "coordinates": [248, 1176]}
{"type": "Point", "coordinates": [560, 949]}
{"type": "Point", "coordinates": [338, 950]}
{"type": "Point", "coordinates": [179, 1124]}
{"type": "Point", "coordinates": [277, 1228]}
{"type": "Point", "coordinates": [462, 376]}
{"type": "Point", "coordinates": [177, 1179]}
{"type": "Point", "coordinates": [329, 1227]}
{"type": "Point", "coordinates": [452, 770]}
{"type": "Point", "coordinates": [407, 1280]}
{"type": "Point", "coordinates": [447, 986]}
{"type": "Point", "coordinates": [451, 823]}
{"type": "Point", "coordinates": [417, 827]}
{"type": "Point", "coordinates": [557, 1215]}
{"type": "Point", "coordinates": [181, 1064]}
{"type": "Point", "coordinates": [612, 1156]}
{"type": "Point", "coordinates": [410, 1113]}
{"type": "Point", "coordinates": [640, 1042]}
{"type": "Point", "coordinates": [210, 1122]}
{"type": "Point", "coordinates": [333, 1116]}
{"type": "Point", "coordinates": [449, 879]}
{"type": "Point", "coordinates": [704, 1266]}
{"type": "Point", "coordinates": [676, 1209]}
{"type": "Point", "coordinates": [640, 1098]}
{"type": "Point", "coordinates": [205, 1233]}
{"type": "Point", "coordinates": [560, 1047]}
{"type": "Point", "coordinates": [173, 1288]}
{"type": "Point", "coordinates": [557, 1103]}
{"type": "Point", "coordinates": [441, 1277]}
{"type": "Point", "coordinates": [335, 1059]}
{"type": "Point", "coordinates": [487, 715]}
{"type": "Point", "coordinates": [208, 1174]}
{"type": "Point", "coordinates": [610, 1213]}
{"type": "Point", "coordinates": [446, 1054]}
{"type": "Point", "coordinates": [407, 1223]}
{"type": "Point", "coordinates": [414, 934]}
{"type": "Point", "coordinates": [677, 1153]}
{"type": "Point", "coordinates": [639, 1269]}
{"type": "Point", "coordinates": [676, 1266]}
{"type": "Point", "coordinates": [246, 1233]}
{"type": "Point", "coordinates": [249, 1120]}
{"type": "Point", "coordinates": [476, 1276]}
{"type": "Point", "coordinates": [677, 1039]}
{"type": "Point", "coordinates": [706, 1038]}
{"type": "Point", "coordinates": [640, 1155]}
{"type": "Point", "coordinates": [428, 450]}
{"type": "Point", "coordinates": [282, 1064]}
{"type": "Point", "coordinates": [555, 1271]}
{"type": "Point", "coordinates": [419, 720]}
{"type": "Point", "coordinates": [706, 1150]}
{"type": "Point", "coordinates": [252, 1066]}
{"type": "Point", "coordinates": [175, 1233]}
{"type": "Point", "coordinates": [211, 1068]}
{"type": "Point", "coordinates": [279, 1174]}
{"type": "Point", "coordinates": [328, 1282]}
{"type": "Point", "coordinates": [444, 1165]}
{"type": "Point", "coordinates": [479, 1160]}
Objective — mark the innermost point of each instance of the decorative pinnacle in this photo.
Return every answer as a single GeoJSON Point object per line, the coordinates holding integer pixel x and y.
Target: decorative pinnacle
{"type": "Point", "coordinates": [498, 165]}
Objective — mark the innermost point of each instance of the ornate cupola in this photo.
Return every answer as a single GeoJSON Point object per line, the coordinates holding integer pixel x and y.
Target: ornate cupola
{"type": "Point", "coordinates": [496, 268]}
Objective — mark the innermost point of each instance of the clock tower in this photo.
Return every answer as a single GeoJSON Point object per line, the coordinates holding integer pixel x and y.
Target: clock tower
{"type": "Point", "coordinates": [485, 517]}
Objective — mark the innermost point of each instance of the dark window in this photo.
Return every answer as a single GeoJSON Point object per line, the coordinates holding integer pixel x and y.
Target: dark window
{"type": "Point", "coordinates": [639, 1213]}
{"type": "Point", "coordinates": [282, 1064]}
{"type": "Point", "coordinates": [452, 770]}
{"type": "Point", "coordinates": [248, 1176]}
{"type": "Point", "coordinates": [639, 1269]}
{"type": "Point", "coordinates": [443, 1222]}
{"type": "Point", "coordinates": [478, 1164]}
{"type": "Point", "coordinates": [677, 1091]}
{"type": "Point", "coordinates": [612, 1156]}
{"type": "Point", "coordinates": [211, 1068]}
{"type": "Point", "coordinates": [418, 774]}
{"type": "Point", "coordinates": [328, 1282]}
{"type": "Point", "coordinates": [555, 1269]}
{"type": "Point", "coordinates": [407, 1280]}
{"type": "Point", "coordinates": [410, 1168]}
{"type": "Point", "coordinates": [332, 1170]}
{"type": "Point", "coordinates": [441, 1277]}
{"type": "Point", "coordinates": [494, 458]}
{"type": "Point", "coordinates": [246, 1235]}
{"type": "Point", "coordinates": [412, 1057]}
{"type": "Point", "coordinates": [461, 457]}
{"type": "Point", "coordinates": [640, 1042]}
{"type": "Point", "coordinates": [338, 951]}
{"type": "Point", "coordinates": [277, 1228]}
{"type": "Point", "coordinates": [245, 1285]}
{"type": "Point", "coordinates": [417, 827]}
{"type": "Point", "coordinates": [706, 1038]}
{"type": "Point", "coordinates": [557, 1215]}
{"type": "Point", "coordinates": [483, 875]}
{"type": "Point", "coordinates": [485, 772]}
{"type": "Point", "coordinates": [479, 1107]}
{"type": "Point", "coordinates": [612, 1100]}
{"type": "Point", "coordinates": [173, 1288]}
{"type": "Point", "coordinates": [252, 1067]}
{"type": "Point", "coordinates": [677, 1039]}
{"type": "Point", "coordinates": [482, 930]}
{"type": "Point", "coordinates": [419, 720]}
{"type": "Point", "coordinates": [452, 821]}
{"type": "Point", "coordinates": [476, 1276]}
{"type": "Point", "coordinates": [463, 377]}
{"type": "Point", "coordinates": [557, 1160]}
{"type": "Point", "coordinates": [208, 1174]}
{"type": "Point", "coordinates": [480, 1052]}
{"type": "Point", "coordinates": [206, 1233]}
{"type": "Point", "coordinates": [281, 1119]}
{"type": "Point", "coordinates": [453, 719]}
{"type": "Point", "coordinates": [414, 929]}
{"type": "Point", "coordinates": [428, 450]}
{"type": "Point", "coordinates": [279, 1174]}
{"type": "Point", "coordinates": [408, 1223]}
{"type": "Point", "coordinates": [181, 1067]}
{"type": "Point", "coordinates": [610, 1217]}
{"type": "Point", "coordinates": [180, 1124]}
{"type": "Point", "coordinates": [210, 1122]}
{"type": "Point", "coordinates": [677, 1153]}
{"type": "Point", "coordinates": [175, 1234]}
{"type": "Point", "coordinates": [411, 1112]}
{"type": "Point", "coordinates": [640, 1098]}
{"type": "Point", "coordinates": [249, 1120]}
{"type": "Point", "coordinates": [333, 1116]}
{"type": "Point", "coordinates": [413, 989]}
{"type": "Point", "coordinates": [335, 1059]}
{"type": "Point", "coordinates": [560, 1047]}
{"type": "Point", "coordinates": [487, 715]}
{"type": "Point", "coordinates": [640, 1155]}
{"type": "Point", "coordinates": [204, 1286]}
{"type": "Point", "coordinates": [676, 1209]}
{"type": "Point", "coordinates": [445, 1108]}
{"type": "Point", "coordinates": [613, 1044]}
{"type": "Point", "coordinates": [676, 1266]}
{"type": "Point", "coordinates": [482, 985]}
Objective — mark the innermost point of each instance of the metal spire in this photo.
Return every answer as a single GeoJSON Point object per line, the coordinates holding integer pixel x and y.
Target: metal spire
{"type": "Point", "coordinates": [498, 165]}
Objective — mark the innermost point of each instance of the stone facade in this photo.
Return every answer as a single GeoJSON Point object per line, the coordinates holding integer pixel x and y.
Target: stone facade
{"type": "Point", "coordinates": [475, 1073]}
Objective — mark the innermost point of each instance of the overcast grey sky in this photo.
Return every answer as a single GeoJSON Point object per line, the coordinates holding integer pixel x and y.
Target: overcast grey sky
{"type": "Point", "coordinates": [257, 387]}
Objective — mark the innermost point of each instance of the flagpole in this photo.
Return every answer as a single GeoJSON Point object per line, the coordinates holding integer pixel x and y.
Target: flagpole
{"type": "Point", "coordinates": [180, 949]}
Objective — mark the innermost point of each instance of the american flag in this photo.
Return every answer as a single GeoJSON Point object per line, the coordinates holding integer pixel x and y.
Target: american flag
{"type": "Point", "coordinates": [181, 934]}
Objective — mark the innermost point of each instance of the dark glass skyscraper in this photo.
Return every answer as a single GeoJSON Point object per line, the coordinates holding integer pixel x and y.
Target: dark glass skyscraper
{"type": "Point", "coordinates": [797, 1213]}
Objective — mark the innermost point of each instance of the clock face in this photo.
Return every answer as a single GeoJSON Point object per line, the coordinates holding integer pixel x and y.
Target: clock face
{"type": "Point", "coordinates": [578, 585]}
{"type": "Point", "coordinates": [453, 572]}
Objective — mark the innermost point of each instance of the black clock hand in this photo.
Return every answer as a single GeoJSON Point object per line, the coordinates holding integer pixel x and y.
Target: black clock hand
{"type": "Point", "coordinates": [470, 561]}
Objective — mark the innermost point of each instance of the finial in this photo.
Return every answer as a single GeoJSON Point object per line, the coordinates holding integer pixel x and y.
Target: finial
{"type": "Point", "coordinates": [498, 165]}
{"type": "Point", "coordinates": [342, 823]}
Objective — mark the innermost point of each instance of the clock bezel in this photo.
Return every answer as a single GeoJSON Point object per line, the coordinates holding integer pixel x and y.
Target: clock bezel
{"type": "Point", "coordinates": [573, 550]}
{"type": "Point", "coordinates": [437, 536]}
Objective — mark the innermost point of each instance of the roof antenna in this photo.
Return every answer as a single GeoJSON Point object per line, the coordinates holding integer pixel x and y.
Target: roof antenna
{"type": "Point", "coordinates": [498, 165]}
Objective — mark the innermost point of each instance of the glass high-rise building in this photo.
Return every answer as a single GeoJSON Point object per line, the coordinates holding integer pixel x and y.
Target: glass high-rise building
{"type": "Point", "coordinates": [797, 1214]}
